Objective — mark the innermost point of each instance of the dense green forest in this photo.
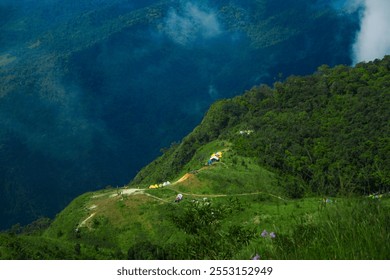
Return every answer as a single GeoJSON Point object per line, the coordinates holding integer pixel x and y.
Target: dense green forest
{"type": "Point", "coordinates": [304, 175]}
{"type": "Point", "coordinates": [326, 133]}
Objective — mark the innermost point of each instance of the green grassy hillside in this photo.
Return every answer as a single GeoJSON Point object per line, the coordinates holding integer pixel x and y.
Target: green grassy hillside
{"type": "Point", "coordinates": [326, 133]}
{"type": "Point", "coordinates": [304, 174]}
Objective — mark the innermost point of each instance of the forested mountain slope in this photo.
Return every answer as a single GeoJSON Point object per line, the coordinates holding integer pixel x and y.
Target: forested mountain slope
{"type": "Point", "coordinates": [327, 132]}
{"type": "Point", "coordinates": [304, 174]}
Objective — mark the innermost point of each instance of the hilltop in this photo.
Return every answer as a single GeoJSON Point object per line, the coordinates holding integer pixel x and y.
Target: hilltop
{"type": "Point", "coordinates": [303, 175]}
{"type": "Point", "coordinates": [326, 132]}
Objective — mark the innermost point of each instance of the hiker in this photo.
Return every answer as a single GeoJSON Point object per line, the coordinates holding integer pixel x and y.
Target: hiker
{"type": "Point", "coordinates": [179, 197]}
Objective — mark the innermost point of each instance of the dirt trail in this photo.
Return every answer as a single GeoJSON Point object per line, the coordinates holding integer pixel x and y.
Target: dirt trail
{"type": "Point", "coordinates": [157, 198]}
{"type": "Point", "coordinates": [228, 195]}
{"type": "Point", "coordinates": [190, 175]}
{"type": "Point", "coordinates": [184, 178]}
{"type": "Point", "coordinates": [124, 191]}
{"type": "Point", "coordinates": [110, 195]}
{"type": "Point", "coordinates": [84, 222]}
{"type": "Point", "coordinates": [117, 192]}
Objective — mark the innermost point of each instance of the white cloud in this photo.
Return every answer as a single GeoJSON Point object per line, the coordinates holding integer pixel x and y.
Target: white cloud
{"type": "Point", "coordinates": [373, 39]}
{"type": "Point", "coordinates": [190, 23]}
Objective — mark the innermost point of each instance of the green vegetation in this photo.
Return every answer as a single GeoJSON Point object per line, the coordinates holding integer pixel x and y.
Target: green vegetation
{"type": "Point", "coordinates": [327, 133]}
{"type": "Point", "coordinates": [221, 228]}
{"type": "Point", "coordinates": [304, 175]}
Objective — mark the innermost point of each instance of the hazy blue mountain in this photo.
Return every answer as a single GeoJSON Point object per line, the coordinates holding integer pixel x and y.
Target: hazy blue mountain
{"type": "Point", "coordinates": [91, 91]}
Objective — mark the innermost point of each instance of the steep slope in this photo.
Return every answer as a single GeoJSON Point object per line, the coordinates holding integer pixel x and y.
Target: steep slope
{"type": "Point", "coordinates": [81, 83]}
{"type": "Point", "coordinates": [328, 132]}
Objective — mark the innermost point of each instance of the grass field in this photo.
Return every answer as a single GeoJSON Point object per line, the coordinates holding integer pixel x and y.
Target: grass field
{"type": "Point", "coordinates": [233, 209]}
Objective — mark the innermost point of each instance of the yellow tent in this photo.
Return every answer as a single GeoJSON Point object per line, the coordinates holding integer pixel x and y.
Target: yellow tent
{"type": "Point", "coordinates": [216, 155]}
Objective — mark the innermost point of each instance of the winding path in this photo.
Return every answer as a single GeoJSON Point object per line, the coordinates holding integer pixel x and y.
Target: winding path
{"type": "Point", "coordinates": [134, 191]}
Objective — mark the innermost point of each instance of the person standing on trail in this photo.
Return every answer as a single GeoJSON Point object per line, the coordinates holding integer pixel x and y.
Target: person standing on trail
{"type": "Point", "coordinates": [179, 197]}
